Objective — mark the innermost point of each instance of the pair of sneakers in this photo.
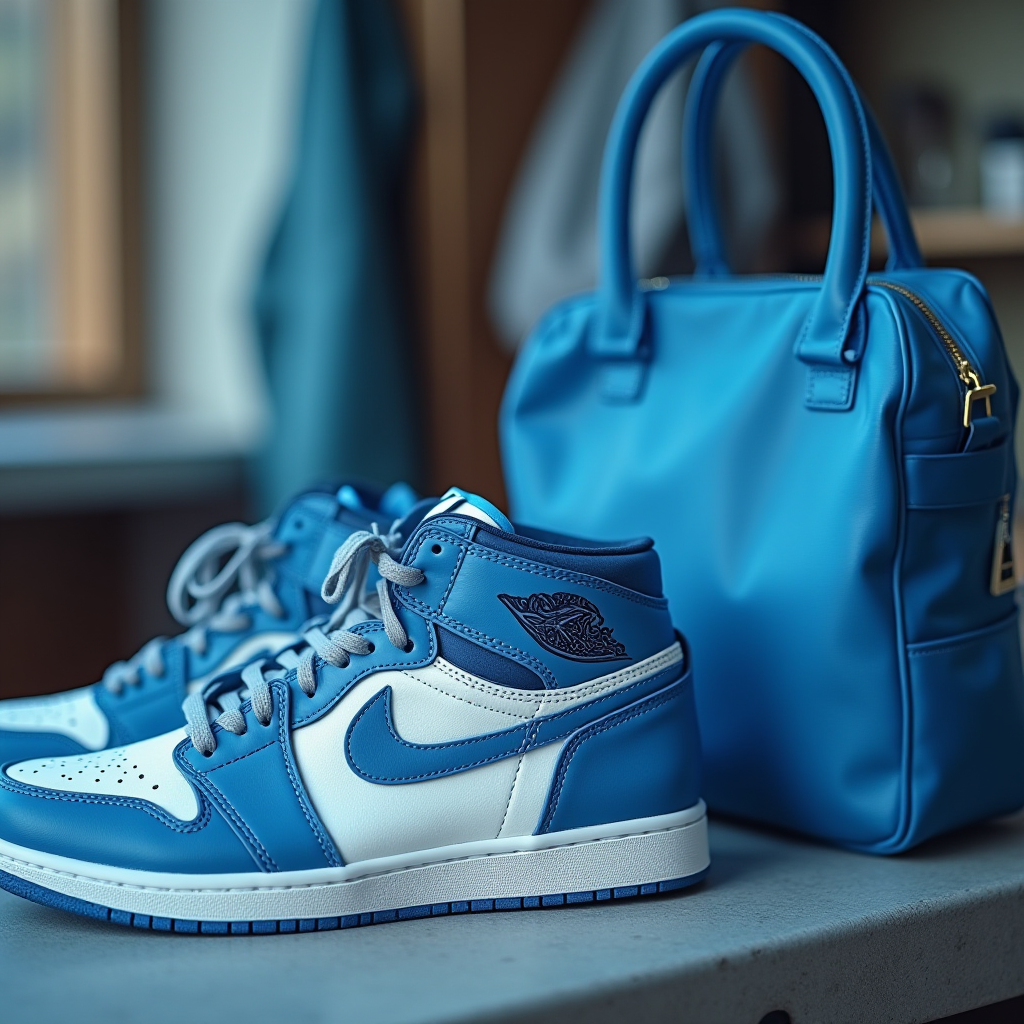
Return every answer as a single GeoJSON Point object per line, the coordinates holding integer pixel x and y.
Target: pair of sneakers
{"type": "Point", "coordinates": [382, 709]}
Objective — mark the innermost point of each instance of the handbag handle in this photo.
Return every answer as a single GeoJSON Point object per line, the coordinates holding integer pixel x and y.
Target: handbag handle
{"type": "Point", "coordinates": [704, 226]}
{"type": "Point", "coordinates": [621, 320]}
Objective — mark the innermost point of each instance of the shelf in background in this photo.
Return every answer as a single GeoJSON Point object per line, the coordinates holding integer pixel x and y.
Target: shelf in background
{"type": "Point", "coordinates": [943, 234]}
{"type": "Point", "coordinates": [117, 456]}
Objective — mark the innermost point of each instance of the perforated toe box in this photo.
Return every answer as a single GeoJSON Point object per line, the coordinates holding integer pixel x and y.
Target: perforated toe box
{"type": "Point", "coordinates": [129, 807]}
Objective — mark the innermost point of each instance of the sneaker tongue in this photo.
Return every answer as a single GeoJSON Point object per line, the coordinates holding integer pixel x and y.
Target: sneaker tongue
{"type": "Point", "coordinates": [465, 504]}
{"type": "Point", "coordinates": [395, 503]}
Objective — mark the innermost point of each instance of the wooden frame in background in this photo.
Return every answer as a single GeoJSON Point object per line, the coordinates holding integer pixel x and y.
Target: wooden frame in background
{"type": "Point", "coordinates": [484, 69]}
{"type": "Point", "coordinates": [95, 146]}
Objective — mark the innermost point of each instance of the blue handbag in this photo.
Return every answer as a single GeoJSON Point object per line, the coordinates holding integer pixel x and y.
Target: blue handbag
{"type": "Point", "coordinates": [827, 466]}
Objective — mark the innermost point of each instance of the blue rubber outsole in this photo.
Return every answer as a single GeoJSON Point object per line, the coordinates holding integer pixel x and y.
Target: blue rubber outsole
{"type": "Point", "coordinates": [48, 898]}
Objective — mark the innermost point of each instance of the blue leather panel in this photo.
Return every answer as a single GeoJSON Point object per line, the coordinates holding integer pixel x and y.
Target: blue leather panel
{"type": "Point", "coordinates": [16, 745]}
{"type": "Point", "coordinates": [253, 782]}
{"type": "Point", "coordinates": [220, 646]}
{"type": "Point", "coordinates": [118, 832]}
{"type": "Point", "coordinates": [334, 535]}
{"type": "Point", "coordinates": [963, 478]}
{"type": "Point", "coordinates": [638, 762]}
{"type": "Point", "coordinates": [151, 707]}
{"type": "Point", "coordinates": [333, 683]}
{"type": "Point", "coordinates": [484, 663]}
{"type": "Point", "coordinates": [461, 593]}
{"type": "Point", "coordinates": [377, 753]}
{"type": "Point", "coordinates": [968, 696]}
{"type": "Point", "coordinates": [636, 567]}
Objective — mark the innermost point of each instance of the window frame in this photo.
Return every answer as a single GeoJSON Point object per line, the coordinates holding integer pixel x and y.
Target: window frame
{"type": "Point", "coordinates": [94, 79]}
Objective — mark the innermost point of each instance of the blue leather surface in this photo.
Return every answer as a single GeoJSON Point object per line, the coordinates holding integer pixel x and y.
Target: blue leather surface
{"type": "Point", "coordinates": [151, 707]}
{"type": "Point", "coordinates": [632, 564]}
{"type": "Point", "coordinates": [706, 240]}
{"type": "Point", "coordinates": [472, 657]}
{"type": "Point", "coordinates": [968, 695]}
{"type": "Point", "coordinates": [26, 746]}
{"type": "Point", "coordinates": [638, 762]}
{"type": "Point", "coordinates": [333, 683]}
{"type": "Point", "coordinates": [461, 593]}
{"type": "Point", "coordinates": [254, 783]}
{"type": "Point", "coordinates": [118, 832]}
{"type": "Point", "coordinates": [959, 479]}
{"type": "Point", "coordinates": [791, 558]}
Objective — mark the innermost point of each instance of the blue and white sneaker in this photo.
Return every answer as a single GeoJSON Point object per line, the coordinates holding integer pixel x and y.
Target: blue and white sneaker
{"type": "Point", "coordinates": [241, 590]}
{"type": "Point", "coordinates": [516, 730]}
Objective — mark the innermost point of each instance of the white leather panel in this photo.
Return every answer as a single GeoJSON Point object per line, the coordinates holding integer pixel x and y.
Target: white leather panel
{"type": "Point", "coordinates": [435, 704]}
{"type": "Point", "coordinates": [431, 710]}
{"type": "Point", "coordinates": [528, 703]}
{"type": "Point", "coordinates": [74, 714]}
{"type": "Point", "coordinates": [367, 820]}
{"type": "Point", "coordinates": [530, 792]}
{"type": "Point", "coordinates": [457, 503]}
{"type": "Point", "coordinates": [143, 771]}
{"type": "Point", "coordinates": [258, 643]}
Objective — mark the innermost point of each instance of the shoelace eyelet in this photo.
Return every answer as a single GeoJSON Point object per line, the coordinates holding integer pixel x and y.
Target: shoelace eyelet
{"type": "Point", "coordinates": [369, 647]}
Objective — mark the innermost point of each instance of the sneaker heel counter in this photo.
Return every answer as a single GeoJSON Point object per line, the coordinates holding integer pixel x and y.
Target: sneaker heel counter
{"type": "Point", "coordinates": [641, 761]}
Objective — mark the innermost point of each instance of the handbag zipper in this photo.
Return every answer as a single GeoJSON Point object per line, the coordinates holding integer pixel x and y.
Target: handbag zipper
{"type": "Point", "coordinates": [976, 390]}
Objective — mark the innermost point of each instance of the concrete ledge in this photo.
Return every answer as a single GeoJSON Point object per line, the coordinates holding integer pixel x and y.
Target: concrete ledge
{"type": "Point", "coordinates": [827, 936]}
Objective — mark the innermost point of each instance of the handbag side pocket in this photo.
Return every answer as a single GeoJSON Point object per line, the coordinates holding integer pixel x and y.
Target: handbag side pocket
{"type": "Point", "coordinates": [959, 515]}
{"type": "Point", "coordinates": [967, 729]}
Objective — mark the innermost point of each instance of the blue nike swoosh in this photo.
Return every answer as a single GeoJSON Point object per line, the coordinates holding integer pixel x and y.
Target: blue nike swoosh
{"type": "Point", "coordinates": [376, 753]}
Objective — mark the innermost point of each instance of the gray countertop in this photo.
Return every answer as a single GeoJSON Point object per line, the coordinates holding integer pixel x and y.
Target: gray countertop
{"type": "Point", "coordinates": [780, 924]}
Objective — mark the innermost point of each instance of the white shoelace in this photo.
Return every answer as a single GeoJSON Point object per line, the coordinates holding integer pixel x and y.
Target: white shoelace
{"type": "Point", "coordinates": [202, 594]}
{"type": "Point", "coordinates": [344, 586]}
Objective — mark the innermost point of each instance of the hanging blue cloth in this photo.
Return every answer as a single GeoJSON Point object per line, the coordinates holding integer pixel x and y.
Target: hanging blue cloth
{"type": "Point", "coordinates": [331, 305]}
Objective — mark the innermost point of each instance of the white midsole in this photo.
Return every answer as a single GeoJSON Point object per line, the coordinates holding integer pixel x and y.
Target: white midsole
{"type": "Point", "coordinates": [606, 856]}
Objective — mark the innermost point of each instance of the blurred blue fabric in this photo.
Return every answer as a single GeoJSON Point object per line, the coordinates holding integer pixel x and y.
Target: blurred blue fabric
{"type": "Point", "coordinates": [331, 306]}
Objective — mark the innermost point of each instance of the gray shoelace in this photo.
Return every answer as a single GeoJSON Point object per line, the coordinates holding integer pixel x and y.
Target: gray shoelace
{"type": "Point", "coordinates": [199, 596]}
{"type": "Point", "coordinates": [345, 586]}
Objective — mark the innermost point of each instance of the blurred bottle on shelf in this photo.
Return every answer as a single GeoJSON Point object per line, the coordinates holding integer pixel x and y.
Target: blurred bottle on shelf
{"type": "Point", "coordinates": [922, 121]}
{"type": "Point", "coordinates": [1002, 168]}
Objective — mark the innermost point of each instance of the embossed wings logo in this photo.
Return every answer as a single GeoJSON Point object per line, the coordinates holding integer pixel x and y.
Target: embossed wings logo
{"type": "Point", "coordinates": [566, 624]}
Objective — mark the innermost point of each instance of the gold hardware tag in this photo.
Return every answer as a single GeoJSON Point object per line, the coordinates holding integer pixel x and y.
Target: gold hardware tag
{"type": "Point", "coordinates": [1004, 578]}
{"type": "Point", "coordinates": [979, 393]}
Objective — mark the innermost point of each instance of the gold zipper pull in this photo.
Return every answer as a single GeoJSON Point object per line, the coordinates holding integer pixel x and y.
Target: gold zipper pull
{"type": "Point", "coordinates": [977, 392]}
{"type": "Point", "coordinates": [1004, 579]}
